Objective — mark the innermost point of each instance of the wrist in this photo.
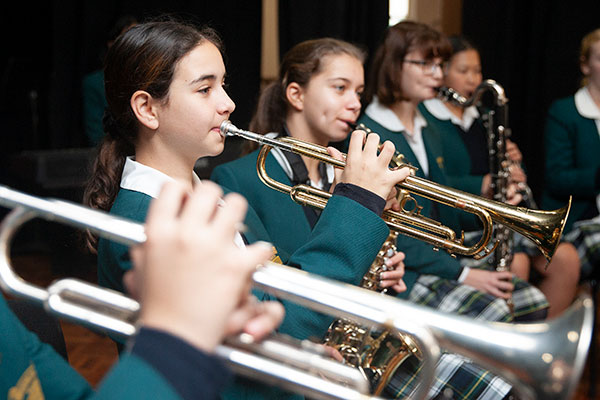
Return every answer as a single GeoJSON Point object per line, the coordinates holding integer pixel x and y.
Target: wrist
{"type": "Point", "coordinates": [204, 335]}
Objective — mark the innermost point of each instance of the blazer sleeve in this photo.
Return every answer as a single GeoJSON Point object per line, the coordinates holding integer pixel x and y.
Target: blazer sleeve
{"type": "Point", "coordinates": [563, 176]}
{"type": "Point", "coordinates": [338, 249]}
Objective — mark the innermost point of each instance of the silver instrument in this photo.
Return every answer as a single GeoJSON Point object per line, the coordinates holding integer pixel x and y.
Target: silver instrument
{"type": "Point", "coordinates": [541, 360]}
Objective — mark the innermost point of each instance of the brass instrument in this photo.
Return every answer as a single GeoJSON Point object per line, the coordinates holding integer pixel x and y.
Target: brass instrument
{"type": "Point", "coordinates": [541, 360]}
{"type": "Point", "coordinates": [544, 228]}
{"type": "Point", "coordinates": [294, 365]}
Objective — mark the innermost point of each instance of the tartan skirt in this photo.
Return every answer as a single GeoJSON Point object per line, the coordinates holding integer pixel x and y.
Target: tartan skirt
{"type": "Point", "coordinates": [457, 377]}
{"type": "Point", "coordinates": [585, 236]}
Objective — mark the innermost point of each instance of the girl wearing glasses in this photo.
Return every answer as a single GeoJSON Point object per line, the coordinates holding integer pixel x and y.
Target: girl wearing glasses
{"type": "Point", "coordinates": [406, 70]}
{"type": "Point", "coordinates": [466, 163]}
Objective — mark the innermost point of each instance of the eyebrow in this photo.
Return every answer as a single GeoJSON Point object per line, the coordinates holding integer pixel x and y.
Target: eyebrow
{"type": "Point", "coordinates": [343, 79]}
{"type": "Point", "coordinates": [207, 77]}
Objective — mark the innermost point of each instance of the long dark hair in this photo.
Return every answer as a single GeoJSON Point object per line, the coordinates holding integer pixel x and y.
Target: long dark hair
{"type": "Point", "coordinates": [143, 58]}
{"type": "Point", "coordinates": [299, 65]}
{"type": "Point", "coordinates": [400, 39]}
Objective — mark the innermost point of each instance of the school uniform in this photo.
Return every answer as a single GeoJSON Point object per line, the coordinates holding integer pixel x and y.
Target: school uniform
{"type": "Point", "coordinates": [293, 222]}
{"type": "Point", "coordinates": [573, 169]}
{"type": "Point", "coordinates": [32, 370]}
{"type": "Point", "coordinates": [333, 249]}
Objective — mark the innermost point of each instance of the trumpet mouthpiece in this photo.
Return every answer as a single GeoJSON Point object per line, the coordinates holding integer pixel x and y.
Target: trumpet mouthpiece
{"type": "Point", "coordinates": [226, 128]}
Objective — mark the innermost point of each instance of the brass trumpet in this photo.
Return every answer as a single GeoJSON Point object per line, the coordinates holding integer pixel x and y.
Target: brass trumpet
{"type": "Point", "coordinates": [541, 360]}
{"type": "Point", "coordinates": [544, 228]}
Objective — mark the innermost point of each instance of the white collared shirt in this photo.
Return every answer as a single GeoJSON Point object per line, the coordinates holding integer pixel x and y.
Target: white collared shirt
{"type": "Point", "coordinates": [438, 109]}
{"type": "Point", "coordinates": [587, 108]}
{"type": "Point", "coordinates": [389, 120]}
{"type": "Point", "coordinates": [141, 178]}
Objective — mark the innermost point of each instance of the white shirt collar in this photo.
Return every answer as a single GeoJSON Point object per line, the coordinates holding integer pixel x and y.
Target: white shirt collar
{"type": "Point", "coordinates": [141, 178]}
{"type": "Point", "coordinates": [585, 104]}
{"type": "Point", "coordinates": [287, 168]}
{"type": "Point", "coordinates": [144, 179]}
{"type": "Point", "coordinates": [385, 117]}
{"type": "Point", "coordinates": [439, 110]}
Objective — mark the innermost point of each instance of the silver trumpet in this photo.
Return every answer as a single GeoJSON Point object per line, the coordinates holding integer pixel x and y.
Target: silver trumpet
{"type": "Point", "coordinates": [542, 360]}
{"type": "Point", "coordinates": [299, 366]}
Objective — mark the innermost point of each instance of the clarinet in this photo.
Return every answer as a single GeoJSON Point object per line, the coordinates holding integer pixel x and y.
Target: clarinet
{"type": "Point", "coordinates": [495, 119]}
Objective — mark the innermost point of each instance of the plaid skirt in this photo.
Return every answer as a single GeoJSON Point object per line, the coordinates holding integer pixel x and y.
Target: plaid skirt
{"type": "Point", "coordinates": [585, 236]}
{"type": "Point", "coordinates": [456, 378]}
{"type": "Point", "coordinates": [453, 297]}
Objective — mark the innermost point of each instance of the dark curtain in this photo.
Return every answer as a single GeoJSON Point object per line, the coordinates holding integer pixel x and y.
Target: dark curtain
{"type": "Point", "coordinates": [48, 51]}
{"type": "Point", "coordinates": [356, 21]}
{"type": "Point", "coordinates": [531, 49]}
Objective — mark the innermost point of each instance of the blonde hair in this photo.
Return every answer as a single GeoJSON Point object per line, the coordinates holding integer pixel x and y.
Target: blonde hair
{"type": "Point", "coordinates": [585, 50]}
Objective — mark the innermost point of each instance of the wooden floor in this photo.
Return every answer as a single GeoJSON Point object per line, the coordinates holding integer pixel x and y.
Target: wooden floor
{"type": "Point", "coordinates": [92, 354]}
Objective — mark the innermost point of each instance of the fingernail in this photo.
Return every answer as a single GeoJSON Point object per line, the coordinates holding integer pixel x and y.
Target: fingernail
{"type": "Point", "coordinates": [265, 245]}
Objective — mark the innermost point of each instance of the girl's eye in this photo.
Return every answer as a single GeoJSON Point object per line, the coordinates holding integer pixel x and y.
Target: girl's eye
{"type": "Point", "coordinates": [204, 90]}
{"type": "Point", "coordinates": [340, 88]}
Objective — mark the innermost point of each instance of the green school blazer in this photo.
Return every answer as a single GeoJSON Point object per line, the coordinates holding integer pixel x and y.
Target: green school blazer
{"type": "Point", "coordinates": [572, 160]}
{"type": "Point", "coordinates": [30, 369]}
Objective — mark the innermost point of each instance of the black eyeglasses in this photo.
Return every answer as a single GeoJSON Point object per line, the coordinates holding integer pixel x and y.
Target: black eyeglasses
{"type": "Point", "coordinates": [427, 66]}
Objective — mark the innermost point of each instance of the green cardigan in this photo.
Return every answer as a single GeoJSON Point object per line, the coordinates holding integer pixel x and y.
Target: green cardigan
{"type": "Point", "coordinates": [28, 366]}
{"type": "Point", "coordinates": [572, 160]}
{"type": "Point", "coordinates": [287, 224]}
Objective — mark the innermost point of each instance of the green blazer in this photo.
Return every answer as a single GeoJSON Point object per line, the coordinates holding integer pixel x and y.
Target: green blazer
{"type": "Point", "coordinates": [31, 369]}
{"type": "Point", "coordinates": [572, 160]}
{"type": "Point", "coordinates": [287, 224]}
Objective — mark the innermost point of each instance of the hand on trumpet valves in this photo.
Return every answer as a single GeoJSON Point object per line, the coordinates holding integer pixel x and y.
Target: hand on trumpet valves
{"type": "Point", "coordinates": [496, 283]}
{"type": "Point", "coordinates": [394, 274]}
{"type": "Point", "coordinates": [367, 164]}
{"type": "Point", "coordinates": [190, 277]}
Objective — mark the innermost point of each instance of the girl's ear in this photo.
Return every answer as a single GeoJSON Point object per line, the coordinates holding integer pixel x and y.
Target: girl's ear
{"type": "Point", "coordinates": [295, 96]}
{"type": "Point", "coordinates": [143, 107]}
{"type": "Point", "coordinates": [583, 65]}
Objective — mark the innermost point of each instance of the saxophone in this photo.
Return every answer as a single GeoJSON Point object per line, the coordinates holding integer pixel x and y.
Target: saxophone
{"type": "Point", "coordinates": [378, 355]}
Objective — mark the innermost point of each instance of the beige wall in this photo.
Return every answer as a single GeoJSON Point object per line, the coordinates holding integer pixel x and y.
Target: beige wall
{"type": "Point", "coordinates": [443, 15]}
{"type": "Point", "coordinates": [269, 61]}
